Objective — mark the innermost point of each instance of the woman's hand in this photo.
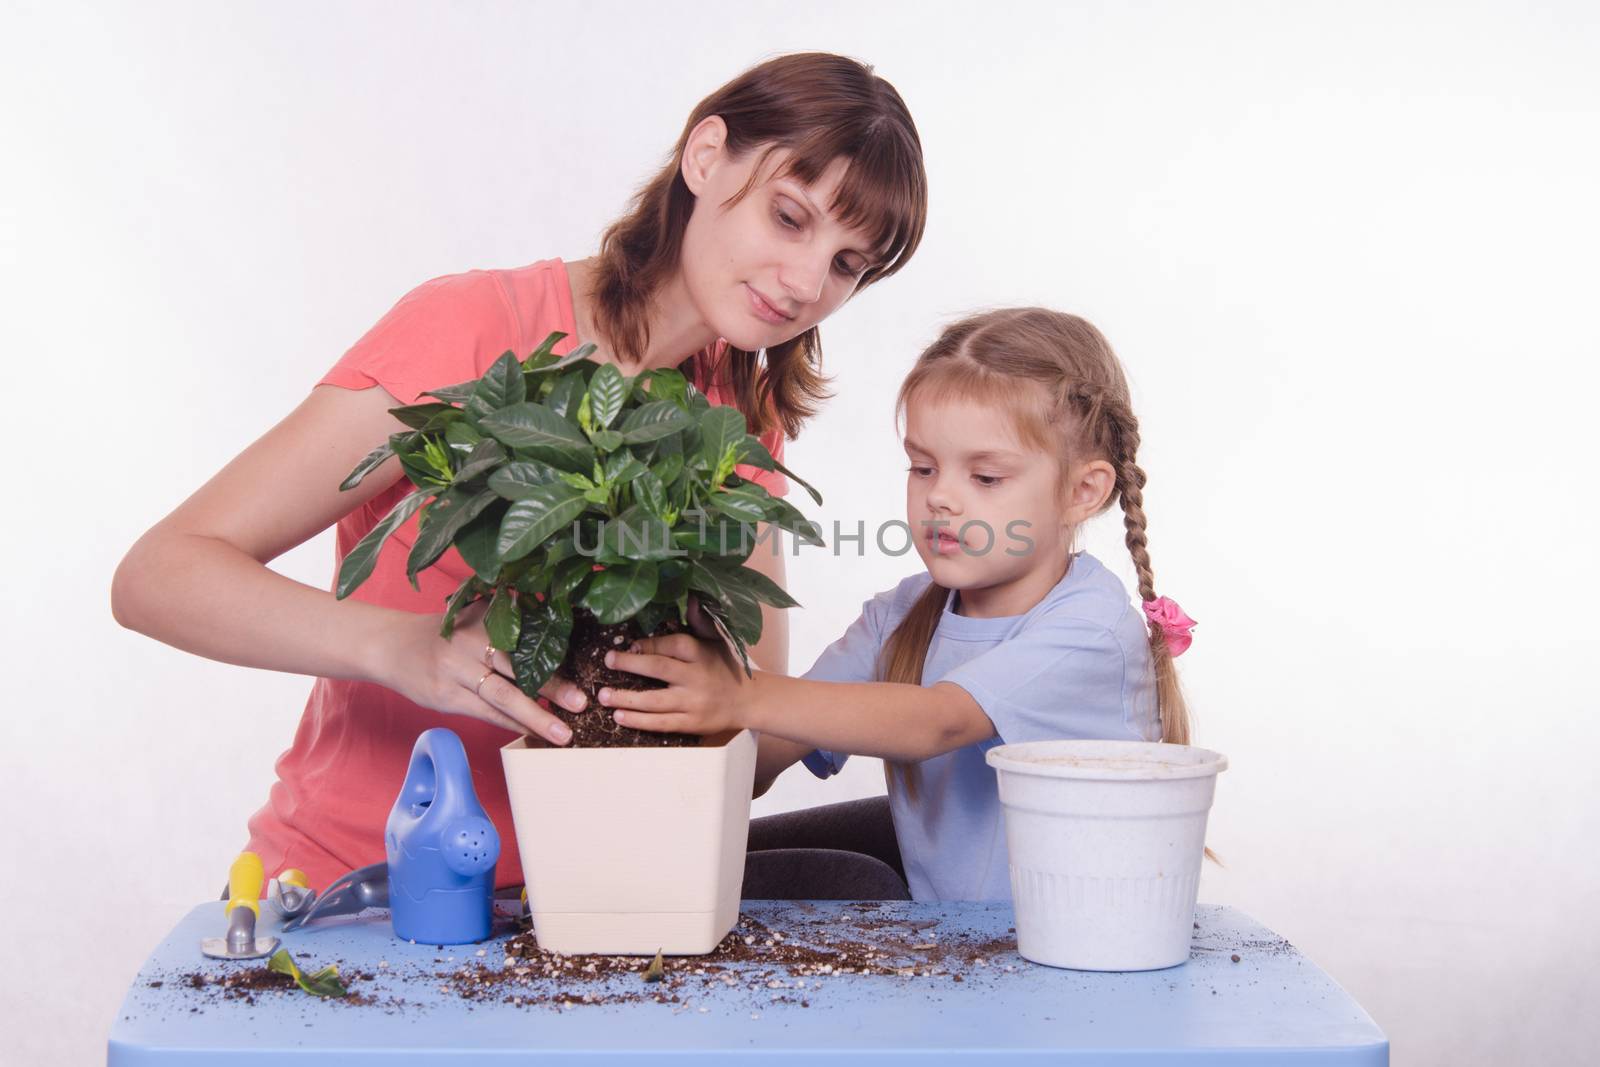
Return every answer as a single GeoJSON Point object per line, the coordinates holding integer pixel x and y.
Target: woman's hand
{"type": "Point", "coordinates": [457, 677]}
{"type": "Point", "coordinates": [707, 690]}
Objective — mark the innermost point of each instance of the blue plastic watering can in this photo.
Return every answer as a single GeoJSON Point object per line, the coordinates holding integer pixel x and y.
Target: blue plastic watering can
{"type": "Point", "coordinates": [442, 848]}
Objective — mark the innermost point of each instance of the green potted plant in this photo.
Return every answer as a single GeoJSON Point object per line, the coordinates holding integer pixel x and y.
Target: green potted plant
{"type": "Point", "coordinates": [591, 506]}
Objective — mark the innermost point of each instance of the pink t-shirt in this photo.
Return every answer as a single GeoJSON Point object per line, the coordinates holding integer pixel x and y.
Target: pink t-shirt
{"type": "Point", "coordinates": [336, 783]}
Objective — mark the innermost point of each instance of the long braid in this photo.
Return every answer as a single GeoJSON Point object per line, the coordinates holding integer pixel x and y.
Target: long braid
{"type": "Point", "coordinates": [1123, 435]}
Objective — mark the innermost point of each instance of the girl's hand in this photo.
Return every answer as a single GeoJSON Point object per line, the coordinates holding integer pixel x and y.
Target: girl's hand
{"type": "Point", "coordinates": [707, 690]}
{"type": "Point", "coordinates": [454, 676]}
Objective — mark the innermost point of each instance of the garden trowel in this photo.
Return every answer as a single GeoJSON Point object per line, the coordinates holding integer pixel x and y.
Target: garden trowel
{"type": "Point", "coordinates": [243, 910]}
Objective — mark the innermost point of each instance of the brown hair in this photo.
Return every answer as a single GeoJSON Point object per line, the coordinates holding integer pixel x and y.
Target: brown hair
{"type": "Point", "coordinates": [820, 107]}
{"type": "Point", "coordinates": [1079, 409]}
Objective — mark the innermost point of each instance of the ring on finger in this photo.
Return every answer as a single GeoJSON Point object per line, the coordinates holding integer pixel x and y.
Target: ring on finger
{"type": "Point", "coordinates": [478, 689]}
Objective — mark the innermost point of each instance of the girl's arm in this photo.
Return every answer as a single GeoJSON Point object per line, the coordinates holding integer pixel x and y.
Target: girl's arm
{"type": "Point", "coordinates": [198, 580]}
{"type": "Point", "coordinates": [708, 692]}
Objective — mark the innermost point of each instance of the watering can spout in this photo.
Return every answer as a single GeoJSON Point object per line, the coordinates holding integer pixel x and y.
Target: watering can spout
{"type": "Point", "coordinates": [441, 846]}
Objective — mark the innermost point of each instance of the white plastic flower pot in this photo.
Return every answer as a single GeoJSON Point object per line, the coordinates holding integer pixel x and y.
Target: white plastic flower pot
{"type": "Point", "coordinates": [1106, 839]}
{"type": "Point", "coordinates": [627, 851]}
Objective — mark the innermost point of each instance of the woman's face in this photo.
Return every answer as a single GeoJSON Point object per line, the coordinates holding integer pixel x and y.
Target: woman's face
{"type": "Point", "coordinates": [771, 266]}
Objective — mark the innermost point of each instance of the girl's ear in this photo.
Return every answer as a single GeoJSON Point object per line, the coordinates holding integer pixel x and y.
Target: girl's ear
{"type": "Point", "coordinates": [703, 151]}
{"type": "Point", "coordinates": [1090, 490]}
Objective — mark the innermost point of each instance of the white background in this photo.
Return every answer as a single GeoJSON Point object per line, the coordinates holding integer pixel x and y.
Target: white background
{"type": "Point", "coordinates": [1346, 251]}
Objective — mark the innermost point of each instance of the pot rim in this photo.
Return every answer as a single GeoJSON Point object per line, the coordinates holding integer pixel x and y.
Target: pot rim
{"type": "Point", "coordinates": [1107, 761]}
{"type": "Point", "coordinates": [714, 743]}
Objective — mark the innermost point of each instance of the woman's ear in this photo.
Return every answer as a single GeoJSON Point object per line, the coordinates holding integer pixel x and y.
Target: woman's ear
{"type": "Point", "coordinates": [703, 151]}
{"type": "Point", "coordinates": [1089, 491]}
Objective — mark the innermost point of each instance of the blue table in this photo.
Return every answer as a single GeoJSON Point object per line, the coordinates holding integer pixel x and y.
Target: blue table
{"type": "Point", "coordinates": [955, 989]}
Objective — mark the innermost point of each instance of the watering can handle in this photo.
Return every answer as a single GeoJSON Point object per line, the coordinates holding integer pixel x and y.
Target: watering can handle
{"type": "Point", "coordinates": [438, 763]}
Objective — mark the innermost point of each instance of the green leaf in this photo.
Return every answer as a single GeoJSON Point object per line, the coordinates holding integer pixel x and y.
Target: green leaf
{"type": "Point", "coordinates": [689, 444]}
{"type": "Point", "coordinates": [534, 517]}
{"type": "Point", "coordinates": [763, 588]}
{"type": "Point", "coordinates": [674, 580]}
{"type": "Point", "coordinates": [325, 983]}
{"type": "Point", "coordinates": [577, 481]}
{"type": "Point", "coordinates": [500, 387]}
{"type": "Point", "coordinates": [619, 591]}
{"type": "Point", "coordinates": [650, 493]}
{"type": "Point", "coordinates": [607, 390]}
{"type": "Point", "coordinates": [477, 540]}
{"type": "Point", "coordinates": [792, 476]}
{"type": "Point", "coordinates": [716, 613]}
{"type": "Point", "coordinates": [535, 426]}
{"type": "Point", "coordinates": [785, 516]}
{"type": "Point", "coordinates": [422, 416]}
{"type": "Point", "coordinates": [668, 468]}
{"type": "Point", "coordinates": [485, 456]}
{"type": "Point", "coordinates": [560, 548]}
{"type": "Point", "coordinates": [535, 580]}
{"type": "Point", "coordinates": [565, 397]}
{"type": "Point", "coordinates": [698, 402]}
{"type": "Point", "coordinates": [653, 421]}
{"type": "Point", "coordinates": [357, 566]}
{"type": "Point", "coordinates": [742, 611]}
{"type": "Point", "coordinates": [717, 536]}
{"type": "Point", "coordinates": [545, 354]}
{"type": "Point", "coordinates": [636, 534]}
{"type": "Point", "coordinates": [373, 460]}
{"type": "Point", "coordinates": [504, 621]}
{"type": "Point", "coordinates": [454, 394]}
{"type": "Point", "coordinates": [653, 614]}
{"type": "Point", "coordinates": [467, 592]}
{"type": "Point", "coordinates": [746, 503]}
{"type": "Point", "coordinates": [622, 467]}
{"type": "Point", "coordinates": [754, 454]}
{"type": "Point", "coordinates": [721, 429]}
{"type": "Point", "coordinates": [423, 474]}
{"type": "Point", "coordinates": [440, 523]}
{"type": "Point", "coordinates": [663, 383]}
{"type": "Point", "coordinates": [542, 644]}
{"type": "Point", "coordinates": [607, 440]}
{"type": "Point", "coordinates": [577, 355]}
{"type": "Point", "coordinates": [519, 478]}
{"type": "Point", "coordinates": [462, 433]}
{"type": "Point", "coordinates": [569, 575]}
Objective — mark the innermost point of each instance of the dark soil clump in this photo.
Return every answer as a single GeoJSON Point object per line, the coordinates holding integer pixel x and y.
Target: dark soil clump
{"type": "Point", "coordinates": [586, 666]}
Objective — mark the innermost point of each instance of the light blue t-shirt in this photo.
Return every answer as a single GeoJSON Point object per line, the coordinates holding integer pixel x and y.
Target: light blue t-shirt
{"type": "Point", "coordinates": [1077, 665]}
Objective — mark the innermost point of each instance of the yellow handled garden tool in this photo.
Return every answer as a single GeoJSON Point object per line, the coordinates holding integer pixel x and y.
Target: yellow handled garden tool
{"type": "Point", "coordinates": [243, 910]}
{"type": "Point", "coordinates": [290, 893]}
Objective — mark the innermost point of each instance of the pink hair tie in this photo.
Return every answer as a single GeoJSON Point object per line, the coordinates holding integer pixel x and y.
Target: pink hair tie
{"type": "Point", "coordinates": [1164, 612]}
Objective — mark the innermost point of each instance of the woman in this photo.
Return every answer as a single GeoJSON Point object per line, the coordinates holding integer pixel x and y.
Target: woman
{"type": "Point", "coordinates": [792, 187]}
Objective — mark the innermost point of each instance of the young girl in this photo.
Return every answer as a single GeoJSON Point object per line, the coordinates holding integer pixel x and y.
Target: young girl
{"type": "Point", "coordinates": [1018, 428]}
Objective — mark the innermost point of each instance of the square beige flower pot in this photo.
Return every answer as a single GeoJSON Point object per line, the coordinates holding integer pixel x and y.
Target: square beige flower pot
{"type": "Point", "coordinates": [627, 851]}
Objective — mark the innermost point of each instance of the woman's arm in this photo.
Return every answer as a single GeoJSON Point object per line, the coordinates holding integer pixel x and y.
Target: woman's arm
{"type": "Point", "coordinates": [198, 579]}
{"type": "Point", "coordinates": [706, 693]}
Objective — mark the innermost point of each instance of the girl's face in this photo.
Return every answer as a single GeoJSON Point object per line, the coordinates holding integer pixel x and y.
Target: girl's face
{"type": "Point", "coordinates": [987, 512]}
{"type": "Point", "coordinates": [766, 269]}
